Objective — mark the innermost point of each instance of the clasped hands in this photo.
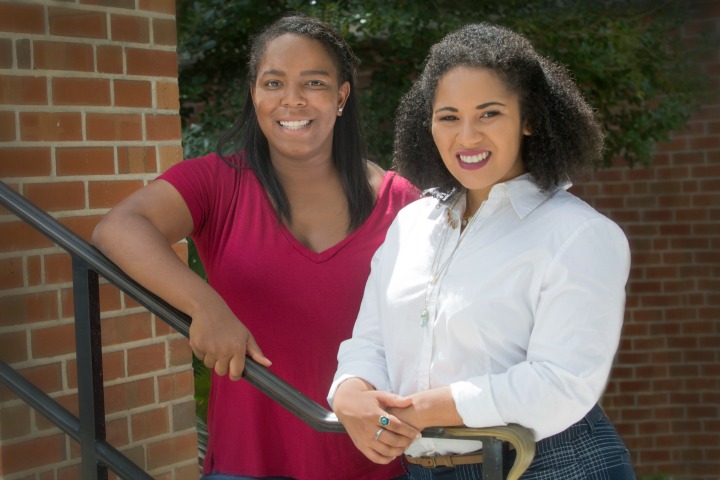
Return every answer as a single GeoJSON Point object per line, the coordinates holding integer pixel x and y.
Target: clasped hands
{"type": "Point", "coordinates": [381, 424]}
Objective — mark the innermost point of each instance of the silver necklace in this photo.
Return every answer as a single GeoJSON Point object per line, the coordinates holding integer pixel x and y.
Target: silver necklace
{"type": "Point", "coordinates": [437, 271]}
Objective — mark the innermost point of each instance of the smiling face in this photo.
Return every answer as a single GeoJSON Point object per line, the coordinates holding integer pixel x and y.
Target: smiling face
{"type": "Point", "coordinates": [297, 96]}
{"type": "Point", "coordinates": [477, 129]}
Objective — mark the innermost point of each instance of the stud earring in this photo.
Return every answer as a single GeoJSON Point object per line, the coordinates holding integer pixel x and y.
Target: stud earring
{"type": "Point", "coordinates": [340, 110]}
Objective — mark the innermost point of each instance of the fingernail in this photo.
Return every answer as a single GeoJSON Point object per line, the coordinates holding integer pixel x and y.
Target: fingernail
{"type": "Point", "coordinates": [418, 436]}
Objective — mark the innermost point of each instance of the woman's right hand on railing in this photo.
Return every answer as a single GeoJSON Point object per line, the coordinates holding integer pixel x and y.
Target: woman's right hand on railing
{"type": "Point", "coordinates": [221, 341]}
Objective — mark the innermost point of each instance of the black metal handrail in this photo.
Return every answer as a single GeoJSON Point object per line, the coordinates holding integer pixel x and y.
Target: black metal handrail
{"type": "Point", "coordinates": [67, 422]}
{"type": "Point", "coordinates": [270, 384]}
{"type": "Point", "coordinates": [89, 430]}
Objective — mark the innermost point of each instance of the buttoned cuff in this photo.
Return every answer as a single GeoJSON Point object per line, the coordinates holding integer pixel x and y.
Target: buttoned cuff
{"type": "Point", "coordinates": [475, 404]}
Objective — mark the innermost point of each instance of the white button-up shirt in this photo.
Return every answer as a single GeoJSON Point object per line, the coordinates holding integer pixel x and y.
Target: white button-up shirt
{"type": "Point", "coordinates": [523, 321]}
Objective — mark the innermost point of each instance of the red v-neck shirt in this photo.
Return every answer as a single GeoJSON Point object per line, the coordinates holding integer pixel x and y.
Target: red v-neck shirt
{"type": "Point", "coordinates": [298, 304]}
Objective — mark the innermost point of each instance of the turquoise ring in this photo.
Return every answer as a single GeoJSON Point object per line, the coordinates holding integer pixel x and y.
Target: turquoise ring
{"type": "Point", "coordinates": [384, 420]}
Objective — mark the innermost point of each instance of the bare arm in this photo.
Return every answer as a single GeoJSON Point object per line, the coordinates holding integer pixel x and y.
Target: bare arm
{"type": "Point", "coordinates": [138, 235]}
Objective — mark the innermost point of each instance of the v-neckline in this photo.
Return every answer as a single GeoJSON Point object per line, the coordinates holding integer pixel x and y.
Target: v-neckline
{"type": "Point", "coordinates": [328, 253]}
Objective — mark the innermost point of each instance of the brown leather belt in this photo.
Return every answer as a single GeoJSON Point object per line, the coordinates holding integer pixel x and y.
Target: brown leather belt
{"type": "Point", "coordinates": [446, 460]}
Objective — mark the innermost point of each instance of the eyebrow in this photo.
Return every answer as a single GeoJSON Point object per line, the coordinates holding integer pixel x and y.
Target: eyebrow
{"type": "Point", "coordinates": [304, 72]}
{"type": "Point", "coordinates": [479, 107]}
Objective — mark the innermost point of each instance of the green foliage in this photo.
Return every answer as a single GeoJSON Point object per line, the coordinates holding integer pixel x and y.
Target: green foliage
{"type": "Point", "coordinates": [625, 54]}
{"type": "Point", "coordinates": [194, 260]}
{"type": "Point", "coordinates": [638, 74]}
{"type": "Point", "coordinates": [201, 374]}
{"type": "Point", "coordinates": [201, 377]}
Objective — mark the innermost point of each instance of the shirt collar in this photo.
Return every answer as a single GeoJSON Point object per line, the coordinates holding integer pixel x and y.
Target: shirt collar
{"type": "Point", "coordinates": [525, 195]}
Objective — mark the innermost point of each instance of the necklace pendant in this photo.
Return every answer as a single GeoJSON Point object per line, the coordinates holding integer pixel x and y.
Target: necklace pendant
{"type": "Point", "coordinates": [424, 316]}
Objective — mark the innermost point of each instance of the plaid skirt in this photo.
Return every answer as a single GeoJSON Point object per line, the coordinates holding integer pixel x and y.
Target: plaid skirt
{"type": "Point", "coordinates": [590, 449]}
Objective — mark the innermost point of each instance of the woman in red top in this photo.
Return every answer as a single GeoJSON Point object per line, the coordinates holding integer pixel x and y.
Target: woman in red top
{"type": "Point", "coordinates": [285, 227]}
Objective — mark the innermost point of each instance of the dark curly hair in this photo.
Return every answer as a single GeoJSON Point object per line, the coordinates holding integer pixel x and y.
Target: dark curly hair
{"type": "Point", "coordinates": [565, 137]}
{"type": "Point", "coordinates": [348, 148]}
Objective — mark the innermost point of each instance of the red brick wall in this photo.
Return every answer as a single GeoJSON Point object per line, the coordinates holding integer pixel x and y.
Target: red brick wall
{"type": "Point", "coordinates": [664, 393]}
{"type": "Point", "coordinates": [88, 113]}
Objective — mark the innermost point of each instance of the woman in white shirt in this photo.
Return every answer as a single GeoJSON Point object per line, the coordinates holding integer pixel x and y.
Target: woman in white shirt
{"type": "Point", "coordinates": [498, 298]}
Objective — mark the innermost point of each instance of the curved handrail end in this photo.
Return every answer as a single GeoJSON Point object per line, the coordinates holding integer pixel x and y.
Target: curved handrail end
{"type": "Point", "coordinates": [518, 436]}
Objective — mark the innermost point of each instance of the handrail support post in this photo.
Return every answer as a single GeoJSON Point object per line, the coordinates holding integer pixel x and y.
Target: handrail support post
{"type": "Point", "coordinates": [493, 450]}
{"type": "Point", "coordinates": [91, 400]}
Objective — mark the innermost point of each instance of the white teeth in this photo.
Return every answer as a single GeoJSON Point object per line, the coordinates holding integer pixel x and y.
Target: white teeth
{"type": "Point", "coordinates": [295, 125]}
{"type": "Point", "coordinates": [474, 158]}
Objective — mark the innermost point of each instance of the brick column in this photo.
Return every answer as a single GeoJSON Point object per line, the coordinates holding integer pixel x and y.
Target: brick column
{"type": "Point", "coordinates": [88, 113]}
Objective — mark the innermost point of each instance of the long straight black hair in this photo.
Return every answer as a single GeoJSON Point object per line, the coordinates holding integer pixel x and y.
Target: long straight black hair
{"type": "Point", "coordinates": [348, 146]}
